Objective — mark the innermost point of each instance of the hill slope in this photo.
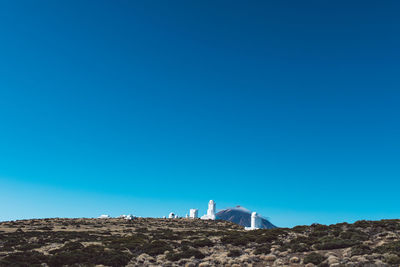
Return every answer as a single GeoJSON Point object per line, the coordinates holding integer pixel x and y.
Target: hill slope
{"type": "Point", "coordinates": [176, 242]}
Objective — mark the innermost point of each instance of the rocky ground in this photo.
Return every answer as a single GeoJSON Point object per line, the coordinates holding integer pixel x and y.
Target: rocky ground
{"type": "Point", "coordinates": [185, 242]}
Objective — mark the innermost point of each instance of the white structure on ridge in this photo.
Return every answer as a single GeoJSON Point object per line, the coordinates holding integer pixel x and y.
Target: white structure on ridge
{"type": "Point", "coordinates": [210, 211]}
{"type": "Point", "coordinates": [187, 216]}
{"type": "Point", "coordinates": [127, 217]}
{"type": "Point", "coordinates": [194, 213]}
{"type": "Point", "coordinates": [171, 215]}
{"type": "Point", "coordinates": [255, 222]}
{"type": "Point", "coordinates": [104, 216]}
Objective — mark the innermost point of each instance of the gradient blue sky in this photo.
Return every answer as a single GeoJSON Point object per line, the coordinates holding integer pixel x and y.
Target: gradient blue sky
{"type": "Point", "coordinates": [288, 108]}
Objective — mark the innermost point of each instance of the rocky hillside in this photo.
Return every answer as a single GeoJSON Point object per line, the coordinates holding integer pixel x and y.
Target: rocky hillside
{"type": "Point", "coordinates": [185, 242]}
{"type": "Point", "coordinates": [241, 216]}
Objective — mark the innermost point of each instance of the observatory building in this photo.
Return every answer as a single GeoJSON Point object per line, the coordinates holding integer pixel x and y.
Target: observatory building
{"type": "Point", "coordinates": [194, 213]}
{"type": "Point", "coordinates": [255, 222]}
{"type": "Point", "coordinates": [210, 211]}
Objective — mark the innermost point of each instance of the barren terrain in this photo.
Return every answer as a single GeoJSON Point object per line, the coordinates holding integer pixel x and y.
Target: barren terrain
{"type": "Point", "coordinates": [185, 242]}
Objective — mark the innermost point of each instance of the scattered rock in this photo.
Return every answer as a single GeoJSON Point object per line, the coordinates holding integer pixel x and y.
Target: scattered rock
{"type": "Point", "coordinates": [332, 260]}
{"type": "Point", "coordinates": [142, 257]}
{"type": "Point", "coordinates": [175, 242]}
{"type": "Point", "coordinates": [294, 260]}
{"type": "Point", "coordinates": [359, 259]}
{"type": "Point", "coordinates": [379, 263]}
{"type": "Point", "coordinates": [330, 253]}
{"type": "Point", "coordinates": [278, 262]}
{"type": "Point", "coordinates": [347, 252]}
{"type": "Point", "coordinates": [283, 254]}
{"type": "Point", "coordinates": [391, 236]}
{"type": "Point", "coordinates": [270, 257]}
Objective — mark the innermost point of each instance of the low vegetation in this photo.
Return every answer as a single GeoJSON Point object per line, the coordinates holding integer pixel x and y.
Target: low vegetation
{"type": "Point", "coordinates": [175, 242]}
{"type": "Point", "coordinates": [314, 258]}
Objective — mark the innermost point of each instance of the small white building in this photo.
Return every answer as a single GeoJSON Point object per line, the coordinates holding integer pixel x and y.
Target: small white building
{"type": "Point", "coordinates": [210, 211]}
{"type": "Point", "coordinates": [194, 213]}
{"type": "Point", "coordinates": [171, 215]}
{"type": "Point", "coordinates": [104, 216]}
{"type": "Point", "coordinates": [255, 222]}
{"type": "Point", "coordinates": [127, 217]}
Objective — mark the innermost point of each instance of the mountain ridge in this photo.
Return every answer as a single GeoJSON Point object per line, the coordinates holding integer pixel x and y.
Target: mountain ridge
{"type": "Point", "coordinates": [242, 217]}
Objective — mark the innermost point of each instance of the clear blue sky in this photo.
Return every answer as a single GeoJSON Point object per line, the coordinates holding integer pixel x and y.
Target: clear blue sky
{"type": "Point", "coordinates": [288, 108]}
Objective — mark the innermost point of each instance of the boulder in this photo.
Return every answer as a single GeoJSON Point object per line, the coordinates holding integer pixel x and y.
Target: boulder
{"type": "Point", "coordinates": [360, 259]}
{"type": "Point", "coordinates": [294, 260]}
{"type": "Point", "coordinates": [269, 257]}
{"type": "Point", "coordinates": [278, 262]}
{"type": "Point", "coordinates": [283, 253]}
{"type": "Point", "coordinates": [333, 260]}
{"type": "Point", "coordinates": [142, 257]}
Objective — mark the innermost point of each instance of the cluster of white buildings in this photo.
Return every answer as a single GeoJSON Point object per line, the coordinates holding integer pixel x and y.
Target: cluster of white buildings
{"type": "Point", "coordinates": [194, 214]}
{"type": "Point", "coordinates": [123, 216]}
{"type": "Point", "coordinates": [127, 217]}
{"type": "Point", "coordinates": [255, 220]}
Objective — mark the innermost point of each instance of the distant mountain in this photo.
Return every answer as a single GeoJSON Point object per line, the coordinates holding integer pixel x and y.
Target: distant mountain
{"type": "Point", "coordinates": [241, 216]}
